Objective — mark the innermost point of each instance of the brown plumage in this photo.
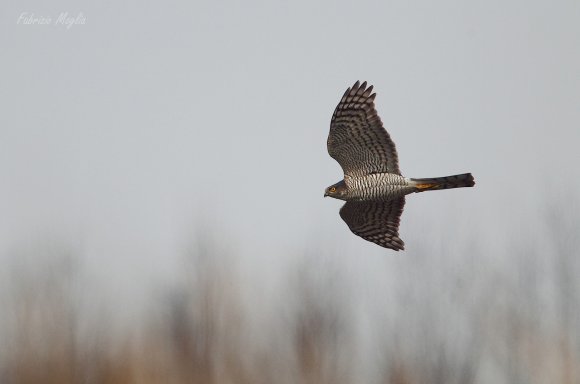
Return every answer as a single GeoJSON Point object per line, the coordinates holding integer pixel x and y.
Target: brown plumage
{"type": "Point", "coordinates": [373, 187]}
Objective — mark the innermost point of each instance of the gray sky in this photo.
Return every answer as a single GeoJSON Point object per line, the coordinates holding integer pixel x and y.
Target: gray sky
{"type": "Point", "coordinates": [123, 135]}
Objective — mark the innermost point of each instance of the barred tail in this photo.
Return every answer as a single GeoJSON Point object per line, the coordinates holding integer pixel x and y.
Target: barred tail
{"type": "Point", "coordinates": [447, 182]}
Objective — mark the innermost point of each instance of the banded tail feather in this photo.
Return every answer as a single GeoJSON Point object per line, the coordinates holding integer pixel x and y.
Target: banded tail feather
{"type": "Point", "coordinates": [446, 182]}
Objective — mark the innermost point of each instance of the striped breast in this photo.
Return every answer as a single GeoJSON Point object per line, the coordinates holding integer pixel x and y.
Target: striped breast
{"type": "Point", "coordinates": [378, 186]}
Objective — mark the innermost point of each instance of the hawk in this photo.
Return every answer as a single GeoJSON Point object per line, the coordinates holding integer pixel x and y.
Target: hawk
{"type": "Point", "coordinates": [373, 187]}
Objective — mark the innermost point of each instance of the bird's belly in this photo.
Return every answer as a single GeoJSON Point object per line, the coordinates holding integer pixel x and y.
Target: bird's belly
{"type": "Point", "coordinates": [381, 186]}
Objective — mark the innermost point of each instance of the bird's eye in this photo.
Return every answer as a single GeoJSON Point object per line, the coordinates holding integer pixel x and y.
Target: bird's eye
{"type": "Point", "coordinates": [332, 189]}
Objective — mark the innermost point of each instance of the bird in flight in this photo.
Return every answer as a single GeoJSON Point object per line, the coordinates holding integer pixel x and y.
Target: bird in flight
{"type": "Point", "coordinates": [373, 187]}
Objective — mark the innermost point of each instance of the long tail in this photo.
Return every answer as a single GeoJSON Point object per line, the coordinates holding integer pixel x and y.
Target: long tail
{"type": "Point", "coordinates": [447, 182]}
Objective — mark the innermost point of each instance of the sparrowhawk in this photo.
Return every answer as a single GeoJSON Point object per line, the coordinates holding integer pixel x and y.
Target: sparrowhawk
{"type": "Point", "coordinates": [373, 187]}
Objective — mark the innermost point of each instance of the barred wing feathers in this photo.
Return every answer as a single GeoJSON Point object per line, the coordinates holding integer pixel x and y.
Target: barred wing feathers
{"type": "Point", "coordinates": [357, 138]}
{"type": "Point", "coordinates": [375, 221]}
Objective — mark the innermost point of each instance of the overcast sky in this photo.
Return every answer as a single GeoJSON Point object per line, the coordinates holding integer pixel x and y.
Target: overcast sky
{"type": "Point", "coordinates": [122, 135]}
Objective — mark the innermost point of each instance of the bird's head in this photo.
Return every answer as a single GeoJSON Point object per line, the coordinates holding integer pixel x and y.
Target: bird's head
{"type": "Point", "coordinates": [338, 190]}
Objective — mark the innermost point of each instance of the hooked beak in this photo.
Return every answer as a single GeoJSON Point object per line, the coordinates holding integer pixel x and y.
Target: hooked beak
{"type": "Point", "coordinates": [325, 194]}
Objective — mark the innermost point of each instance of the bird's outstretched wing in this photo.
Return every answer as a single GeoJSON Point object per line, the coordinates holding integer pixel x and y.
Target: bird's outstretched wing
{"type": "Point", "coordinates": [375, 221]}
{"type": "Point", "coordinates": [357, 138]}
